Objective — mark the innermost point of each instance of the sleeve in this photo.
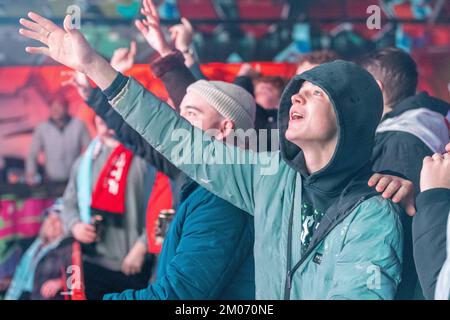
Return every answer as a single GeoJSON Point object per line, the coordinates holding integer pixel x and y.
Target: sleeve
{"type": "Point", "coordinates": [174, 74]}
{"type": "Point", "coordinates": [128, 136]}
{"type": "Point", "coordinates": [404, 154]}
{"type": "Point", "coordinates": [70, 214]}
{"type": "Point", "coordinates": [225, 170]}
{"type": "Point", "coordinates": [369, 266]}
{"type": "Point", "coordinates": [197, 72]}
{"type": "Point", "coordinates": [35, 148]}
{"type": "Point", "coordinates": [210, 251]}
{"type": "Point", "coordinates": [429, 236]}
{"type": "Point", "coordinates": [246, 83]}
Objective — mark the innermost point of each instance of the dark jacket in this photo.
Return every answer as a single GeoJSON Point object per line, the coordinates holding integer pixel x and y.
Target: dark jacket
{"type": "Point", "coordinates": [53, 266]}
{"type": "Point", "coordinates": [264, 119]}
{"type": "Point", "coordinates": [413, 130]}
{"type": "Point", "coordinates": [429, 230]}
{"type": "Point", "coordinates": [207, 254]}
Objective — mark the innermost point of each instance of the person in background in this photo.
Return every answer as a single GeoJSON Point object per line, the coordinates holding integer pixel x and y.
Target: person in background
{"type": "Point", "coordinates": [105, 205]}
{"type": "Point", "coordinates": [61, 139]}
{"type": "Point", "coordinates": [41, 273]}
{"type": "Point", "coordinates": [431, 227]}
{"type": "Point", "coordinates": [412, 127]}
{"type": "Point", "coordinates": [312, 59]}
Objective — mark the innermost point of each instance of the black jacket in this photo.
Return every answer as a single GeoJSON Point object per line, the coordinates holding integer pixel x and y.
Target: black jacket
{"type": "Point", "coordinates": [403, 152]}
{"type": "Point", "coordinates": [429, 236]}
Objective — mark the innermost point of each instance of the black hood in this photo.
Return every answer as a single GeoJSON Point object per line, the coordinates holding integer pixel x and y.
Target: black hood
{"type": "Point", "coordinates": [421, 100]}
{"type": "Point", "coordinates": [358, 104]}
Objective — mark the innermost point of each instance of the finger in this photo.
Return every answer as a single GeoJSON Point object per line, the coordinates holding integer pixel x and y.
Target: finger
{"type": "Point", "coordinates": [382, 184]}
{"type": "Point", "coordinates": [133, 48]}
{"type": "Point", "coordinates": [153, 10]}
{"type": "Point", "coordinates": [411, 210]}
{"type": "Point", "coordinates": [69, 82]}
{"type": "Point", "coordinates": [447, 147]}
{"type": "Point", "coordinates": [140, 26]}
{"type": "Point", "coordinates": [437, 157]}
{"type": "Point", "coordinates": [446, 156]}
{"type": "Point", "coordinates": [374, 179]}
{"type": "Point", "coordinates": [34, 35]}
{"type": "Point", "coordinates": [31, 25]}
{"type": "Point", "coordinates": [43, 22]}
{"type": "Point", "coordinates": [38, 50]}
{"type": "Point", "coordinates": [67, 23]}
{"type": "Point", "coordinates": [401, 194]}
{"type": "Point", "coordinates": [187, 24]}
{"type": "Point", "coordinates": [65, 73]}
{"type": "Point", "coordinates": [391, 189]}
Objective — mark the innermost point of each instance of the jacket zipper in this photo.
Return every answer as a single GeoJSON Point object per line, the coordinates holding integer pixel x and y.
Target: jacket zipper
{"type": "Point", "coordinates": [290, 272]}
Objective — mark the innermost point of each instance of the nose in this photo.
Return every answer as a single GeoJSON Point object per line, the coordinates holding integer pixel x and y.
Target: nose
{"type": "Point", "coordinates": [298, 98]}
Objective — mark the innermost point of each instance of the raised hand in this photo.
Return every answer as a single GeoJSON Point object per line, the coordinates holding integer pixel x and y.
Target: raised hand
{"type": "Point", "coordinates": [66, 46]}
{"type": "Point", "coordinates": [80, 81]}
{"type": "Point", "coordinates": [436, 171]}
{"type": "Point", "coordinates": [150, 27]}
{"type": "Point", "coordinates": [182, 34]}
{"type": "Point", "coordinates": [123, 58]}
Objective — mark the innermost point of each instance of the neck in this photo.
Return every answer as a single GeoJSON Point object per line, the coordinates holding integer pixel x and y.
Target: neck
{"type": "Point", "coordinates": [387, 108]}
{"type": "Point", "coordinates": [317, 156]}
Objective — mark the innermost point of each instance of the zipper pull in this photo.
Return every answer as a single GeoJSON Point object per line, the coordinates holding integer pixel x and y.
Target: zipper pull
{"type": "Point", "coordinates": [289, 280]}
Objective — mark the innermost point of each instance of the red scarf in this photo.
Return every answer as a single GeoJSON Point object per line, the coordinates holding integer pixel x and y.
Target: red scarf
{"type": "Point", "coordinates": [109, 192]}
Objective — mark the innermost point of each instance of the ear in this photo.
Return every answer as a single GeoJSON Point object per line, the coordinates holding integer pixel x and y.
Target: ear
{"type": "Point", "coordinates": [226, 127]}
{"type": "Point", "coordinates": [380, 84]}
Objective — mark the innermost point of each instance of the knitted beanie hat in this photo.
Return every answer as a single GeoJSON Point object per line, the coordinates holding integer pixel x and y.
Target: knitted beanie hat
{"type": "Point", "coordinates": [230, 100]}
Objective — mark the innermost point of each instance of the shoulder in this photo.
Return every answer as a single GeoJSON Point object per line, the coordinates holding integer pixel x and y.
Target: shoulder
{"type": "Point", "coordinates": [379, 215]}
{"type": "Point", "coordinates": [401, 140]}
{"type": "Point", "coordinates": [78, 123]}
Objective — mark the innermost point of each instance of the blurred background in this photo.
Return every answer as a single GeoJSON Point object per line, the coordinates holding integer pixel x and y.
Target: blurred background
{"type": "Point", "coordinates": [272, 34]}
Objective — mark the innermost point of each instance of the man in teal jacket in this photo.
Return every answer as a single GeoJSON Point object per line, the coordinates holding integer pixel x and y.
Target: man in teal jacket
{"type": "Point", "coordinates": [320, 232]}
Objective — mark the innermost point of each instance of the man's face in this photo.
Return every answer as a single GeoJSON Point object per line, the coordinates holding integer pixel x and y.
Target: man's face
{"type": "Point", "coordinates": [199, 113]}
{"type": "Point", "coordinates": [312, 119]}
{"type": "Point", "coordinates": [305, 66]}
{"type": "Point", "coordinates": [58, 110]}
{"type": "Point", "coordinates": [267, 95]}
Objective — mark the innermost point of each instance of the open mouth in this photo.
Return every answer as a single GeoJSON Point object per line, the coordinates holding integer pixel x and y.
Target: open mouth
{"type": "Point", "coordinates": [296, 116]}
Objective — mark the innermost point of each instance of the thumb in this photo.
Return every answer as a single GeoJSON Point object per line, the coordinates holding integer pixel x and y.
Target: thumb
{"type": "Point", "coordinates": [133, 48]}
{"type": "Point", "coordinates": [410, 210]}
{"type": "Point", "coordinates": [68, 23]}
{"type": "Point", "coordinates": [186, 23]}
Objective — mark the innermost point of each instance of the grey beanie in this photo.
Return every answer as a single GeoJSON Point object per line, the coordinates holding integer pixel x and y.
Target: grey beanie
{"type": "Point", "coordinates": [230, 100]}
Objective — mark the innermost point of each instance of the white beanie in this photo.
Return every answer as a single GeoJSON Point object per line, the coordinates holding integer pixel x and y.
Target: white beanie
{"type": "Point", "coordinates": [230, 100]}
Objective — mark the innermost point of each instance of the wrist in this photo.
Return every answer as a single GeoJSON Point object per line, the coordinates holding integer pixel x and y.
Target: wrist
{"type": "Point", "coordinates": [165, 51]}
{"type": "Point", "coordinates": [101, 72]}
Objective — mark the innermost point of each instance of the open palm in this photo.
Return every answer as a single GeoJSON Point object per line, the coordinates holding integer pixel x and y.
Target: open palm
{"type": "Point", "coordinates": [66, 46]}
{"type": "Point", "coordinates": [150, 27]}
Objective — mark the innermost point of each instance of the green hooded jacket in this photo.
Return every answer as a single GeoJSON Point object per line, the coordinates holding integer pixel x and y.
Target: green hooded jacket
{"type": "Point", "coordinates": [356, 250]}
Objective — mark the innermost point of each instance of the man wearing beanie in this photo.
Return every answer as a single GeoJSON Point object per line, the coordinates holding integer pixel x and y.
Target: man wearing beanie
{"type": "Point", "coordinates": [208, 251]}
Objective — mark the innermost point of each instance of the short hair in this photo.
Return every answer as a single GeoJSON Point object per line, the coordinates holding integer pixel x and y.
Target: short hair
{"type": "Point", "coordinates": [60, 96]}
{"type": "Point", "coordinates": [396, 69]}
{"type": "Point", "coordinates": [277, 82]}
{"type": "Point", "coordinates": [318, 57]}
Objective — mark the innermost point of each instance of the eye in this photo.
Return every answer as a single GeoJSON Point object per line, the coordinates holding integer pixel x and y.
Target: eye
{"type": "Point", "coordinates": [318, 93]}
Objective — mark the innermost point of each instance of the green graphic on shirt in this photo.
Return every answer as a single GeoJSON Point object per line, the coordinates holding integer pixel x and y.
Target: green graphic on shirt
{"type": "Point", "coordinates": [310, 222]}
